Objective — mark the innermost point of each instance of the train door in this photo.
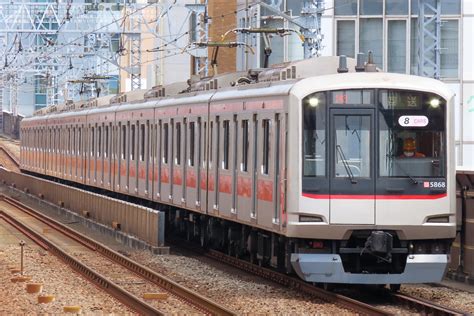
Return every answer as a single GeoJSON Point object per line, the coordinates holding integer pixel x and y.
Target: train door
{"type": "Point", "coordinates": [157, 160]}
{"type": "Point", "coordinates": [352, 184]}
{"type": "Point", "coordinates": [265, 170]}
{"type": "Point", "coordinates": [166, 152]}
{"type": "Point", "coordinates": [178, 161]}
{"type": "Point", "coordinates": [143, 159]}
{"type": "Point", "coordinates": [193, 135]}
{"type": "Point", "coordinates": [212, 165]}
{"type": "Point", "coordinates": [225, 164]}
{"type": "Point", "coordinates": [244, 170]}
{"type": "Point", "coordinates": [203, 171]}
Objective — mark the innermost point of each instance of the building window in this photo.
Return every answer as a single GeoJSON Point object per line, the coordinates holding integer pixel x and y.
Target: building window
{"type": "Point", "coordinates": [396, 46]}
{"type": "Point", "coordinates": [451, 7]}
{"type": "Point", "coordinates": [450, 45]}
{"type": "Point", "coordinates": [345, 7]}
{"type": "Point", "coordinates": [370, 38]}
{"type": "Point", "coordinates": [346, 38]}
{"type": "Point", "coordinates": [396, 7]}
{"type": "Point", "coordinates": [371, 7]}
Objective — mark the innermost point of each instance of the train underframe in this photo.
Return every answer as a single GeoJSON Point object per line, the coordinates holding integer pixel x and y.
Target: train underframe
{"type": "Point", "coordinates": [368, 256]}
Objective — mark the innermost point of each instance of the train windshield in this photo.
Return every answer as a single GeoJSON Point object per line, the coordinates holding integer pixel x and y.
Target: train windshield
{"type": "Point", "coordinates": [411, 134]}
{"type": "Point", "coordinates": [408, 129]}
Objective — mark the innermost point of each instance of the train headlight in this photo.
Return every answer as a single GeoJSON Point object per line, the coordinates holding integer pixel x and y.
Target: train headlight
{"type": "Point", "coordinates": [434, 103]}
{"type": "Point", "coordinates": [314, 102]}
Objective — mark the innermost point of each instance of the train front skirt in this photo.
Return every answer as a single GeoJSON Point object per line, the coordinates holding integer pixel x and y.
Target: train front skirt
{"type": "Point", "coordinates": [328, 268]}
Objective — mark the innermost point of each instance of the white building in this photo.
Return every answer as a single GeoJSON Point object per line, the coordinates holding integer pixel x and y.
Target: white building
{"type": "Point", "coordinates": [389, 29]}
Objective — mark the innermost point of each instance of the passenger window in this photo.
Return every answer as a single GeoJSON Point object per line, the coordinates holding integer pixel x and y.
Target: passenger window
{"type": "Point", "coordinates": [165, 145]}
{"type": "Point", "coordinates": [178, 144]}
{"type": "Point", "coordinates": [132, 141]}
{"type": "Point", "coordinates": [225, 161]}
{"type": "Point", "coordinates": [266, 146]}
{"type": "Point", "coordinates": [245, 145]}
{"type": "Point", "coordinates": [191, 143]}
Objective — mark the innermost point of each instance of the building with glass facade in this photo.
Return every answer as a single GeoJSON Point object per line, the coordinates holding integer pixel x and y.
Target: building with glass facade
{"type": "Point", "coordinates": [389, 28]}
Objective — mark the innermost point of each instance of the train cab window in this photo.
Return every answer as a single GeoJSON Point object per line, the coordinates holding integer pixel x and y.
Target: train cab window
{"type": "Point", "coordinates": [192, 138]}
{"type": "Point", "coordinates": [132, 142]}
{"type": "Point", "coordinates": [314, 135]}
{"type": "Point", "coordinates": [165, 143]}
{"type": "Point", "coordinates": [245, 146]}
{"type": "Point", "coordinates": [142, 142]}
{"type": "Point", "coordinates": [178, 144]}
{"type": "Point", "coordinates": [266, 146]}
{"type": "Point", "coordinates": [412, 134]}
{"type": "Point", "coordinates": [225, 160]}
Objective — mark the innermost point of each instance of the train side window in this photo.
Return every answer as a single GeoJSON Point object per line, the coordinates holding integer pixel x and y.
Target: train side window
{"type": "Point", "coordinates": [266, 145]}
{"type": "Point", "coordinates": [191, 143]}
{"type": "Point", "coordinates": [245, 146]}
{"type": "Point", "coordinates": [225, 160]}
{"type": "Point", "coordinates": [178, 144]}
{"type": "Point", "coordinates": [132, 142]}
{"type": "Point", "coordinates": [142, 142]}
{"type": "Point", "coordinates": [165, 141]}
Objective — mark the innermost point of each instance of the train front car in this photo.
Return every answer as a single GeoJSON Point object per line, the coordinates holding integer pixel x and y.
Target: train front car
{"type": "Point", "coordinates": [374, 190]}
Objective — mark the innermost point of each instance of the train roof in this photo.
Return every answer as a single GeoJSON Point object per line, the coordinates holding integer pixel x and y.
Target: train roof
{"type": "Point", "coordinates": [297, 78]}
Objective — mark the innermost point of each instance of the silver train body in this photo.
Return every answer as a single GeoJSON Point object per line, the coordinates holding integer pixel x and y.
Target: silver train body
{"type": "Point", "coordinates": [303, 169]}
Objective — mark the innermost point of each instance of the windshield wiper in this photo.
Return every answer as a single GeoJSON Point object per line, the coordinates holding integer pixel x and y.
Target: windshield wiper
{"type": "Point", "coordinates": [346, 165]}
{"type": "Point", "coordinates": [405, 172]}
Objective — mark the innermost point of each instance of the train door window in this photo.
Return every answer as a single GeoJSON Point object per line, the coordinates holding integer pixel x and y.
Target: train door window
{"type": "Point", "coordinates": [148, 143]}
{"type": "Point", "coordinates": [191, 143]}
{"type": "Point", "coordinates": [205, 153]}
{"type": "Point", "coordinates": [142, 142]}
{"type": "Point", "coordinates": [266, 146]}
{"type": "Point", "coordinates": [132, 142]}
{"type": "Point", "coordinates": [92, 141]}
{"type": "Point", "coordinates": [225, 160]}
{"type": "Point", "coordinates": [211, 135]}
{"type": "Point", "coordinates": [80, 140]}
{"type": "Point", "coordinates": [99, 141]}
{"type": "Point", "coordinates": [165, 141]}
{"type": "Point", "coordinates": [68, 141]}
{"type": "Point", "coordinates": [245, 146]}
{"type": "Point", "coordinates": [124, 141]}
{"type": "Point", "coordinates": [178, 144]}
{"type": "Point", "coordinates": [106, 149]}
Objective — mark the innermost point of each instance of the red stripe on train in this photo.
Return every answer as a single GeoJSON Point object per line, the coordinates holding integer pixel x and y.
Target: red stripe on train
{"type": "Point", "coordinates": [378, 197]}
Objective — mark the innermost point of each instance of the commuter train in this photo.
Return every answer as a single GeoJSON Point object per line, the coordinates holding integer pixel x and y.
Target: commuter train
{"type": "Point", "coordinates": [307, 166]}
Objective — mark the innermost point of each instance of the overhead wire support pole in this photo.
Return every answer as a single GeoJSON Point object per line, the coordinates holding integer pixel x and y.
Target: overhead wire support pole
{"type": "Point", "coordinates": [200, 27]}
{"type": "Point", "coordinates": [309, 24]}
{"type": "Point", "coordinates": [429, 38]}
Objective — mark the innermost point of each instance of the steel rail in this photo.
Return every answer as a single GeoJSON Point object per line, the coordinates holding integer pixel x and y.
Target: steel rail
{"type": "Point", "coordinates": [11, 156]}
{"type": "Point", "coordinates": [200, 302]}
{"type": "Point", "coordinates": [97, 279]}
{"type": "Point", "coordinates": [290, 282]}
{"type": "Point", "coordinates": [424, 306]}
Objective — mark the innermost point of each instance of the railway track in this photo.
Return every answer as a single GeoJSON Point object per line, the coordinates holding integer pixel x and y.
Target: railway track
{"type": "Point", "coordinates": [198, 302]}
{"type": "Point", "coordinates": [423, 306]}
{"type": "Point", "coordinates": [409, 302]}
{"type": "Point", "coordinates": [11, 158]}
